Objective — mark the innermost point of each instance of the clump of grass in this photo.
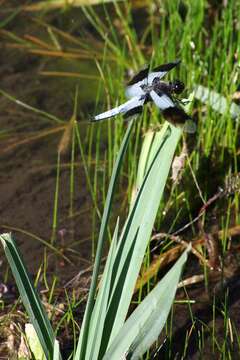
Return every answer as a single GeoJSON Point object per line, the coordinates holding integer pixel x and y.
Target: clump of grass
{"type": "Point", "coordinates": [103, 331]}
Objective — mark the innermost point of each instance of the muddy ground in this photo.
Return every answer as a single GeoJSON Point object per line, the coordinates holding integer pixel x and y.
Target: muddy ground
{"type": "Point", "coordinates": [28, 164]}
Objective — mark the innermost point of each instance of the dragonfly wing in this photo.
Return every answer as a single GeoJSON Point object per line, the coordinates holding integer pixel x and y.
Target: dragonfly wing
{"type": "Point", "coordinates": [141, 75]}
{"type": "Point", "coordinates": [190, 126]}
{"type": "Point", "coordinates": [144, 77]}
{"type": "Point", "coordinates": [161, 71]}
{"type": "Point", "coordinates": [162, 100]}
{"type": "Point", "coordinates": [135, 89]}
{"type": "Point", "coordinates": [129, 108]}
{"type": "Point", "coordinates": [173, 113]}
{"type": "Point", "coordinates": [134, 86]}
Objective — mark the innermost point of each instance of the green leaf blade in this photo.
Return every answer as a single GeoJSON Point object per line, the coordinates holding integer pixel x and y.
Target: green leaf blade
{"type": "Point", "coordinates": [145, 324]}
{"type": "Point", "coordinates": [29, 296]}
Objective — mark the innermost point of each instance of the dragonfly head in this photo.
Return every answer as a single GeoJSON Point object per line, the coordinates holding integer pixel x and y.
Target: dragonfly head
{"type": "Point", "coordinates": [177, 86]}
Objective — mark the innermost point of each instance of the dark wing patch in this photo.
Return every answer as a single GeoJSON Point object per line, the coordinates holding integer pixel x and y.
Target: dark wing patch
{"type": "Point", "coordinates": [133, 111]}
{"type": "Point", "coordinates": [144, 72]}
{"type": "Point", "coordinates": [139, 76]}
{"type": "Point", "coordinates": [178, 117]}
{"type": "Point", "coordinates": [144, 77]}
{"type": "Point", "coordinates": [166, 67]}
{"type": "Point", "coordinates": [175, 115]}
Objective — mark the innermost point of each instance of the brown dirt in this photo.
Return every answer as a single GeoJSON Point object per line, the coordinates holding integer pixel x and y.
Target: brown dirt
{"type": "Point", "coordinates": [28, 166]}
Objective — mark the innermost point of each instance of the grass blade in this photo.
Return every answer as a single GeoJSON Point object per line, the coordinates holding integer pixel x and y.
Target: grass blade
{"type": "Point", "coordinates": [29, 296]}
{"type": "Point", "coordinates": [56, 351]}
{"type": "Point", "coordinates": [55, 4]}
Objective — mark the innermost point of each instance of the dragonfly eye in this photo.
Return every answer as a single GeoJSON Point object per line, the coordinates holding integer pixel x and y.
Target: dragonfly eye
{"type": "Point", "coordinates": [178, 86]}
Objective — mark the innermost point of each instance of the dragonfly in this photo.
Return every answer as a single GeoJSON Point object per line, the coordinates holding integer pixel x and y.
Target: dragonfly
{"type": "Point", "coordinates": [147, 86]}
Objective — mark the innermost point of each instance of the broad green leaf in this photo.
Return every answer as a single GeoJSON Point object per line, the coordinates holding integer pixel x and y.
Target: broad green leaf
{"type": "Point", "coordinates": [145, 157]}
{"type": "Point", "coordinates": [82, 342]}
{"type": "Point", "coordinates": [100, 307]}
{"type": "Point", "coordinates": [136, 232]}
{"type": "Point", "coordinates": [146, 322]}
{"type": "Point", "coordinates": [144, 160]}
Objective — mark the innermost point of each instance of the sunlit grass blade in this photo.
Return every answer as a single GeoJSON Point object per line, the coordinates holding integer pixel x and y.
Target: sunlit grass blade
{"type": "Point", "coordinates": [37, 238]}
{"type": "Point", "coordinates": [28, 107]}
{"type": "Point", "coordinates": [216, 101]}
{"type": "Point", "coordinates": [33, 342]}
{"type": "Point", "coordinates": [145, 324]}
{"type": "Point", "coordinates": [56, 351]}
{"type": "Point", "coordinates": [29, 296]}
{"type": "Point", "coordinates": [55, 4]}
{"type": "Point", "coordinates": [81, 348]}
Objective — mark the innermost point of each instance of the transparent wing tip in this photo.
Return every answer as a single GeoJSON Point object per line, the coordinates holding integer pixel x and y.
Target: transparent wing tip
{"type": "Point", "coordinates": [190, 127]}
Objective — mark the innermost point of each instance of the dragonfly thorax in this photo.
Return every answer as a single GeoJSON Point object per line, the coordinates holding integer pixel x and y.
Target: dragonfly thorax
{"type": "Point", "coordinates": [158, 86]}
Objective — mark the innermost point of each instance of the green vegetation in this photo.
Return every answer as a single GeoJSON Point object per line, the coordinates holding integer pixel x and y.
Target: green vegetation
{"type": "Point", "coordinates": [85, 55]}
